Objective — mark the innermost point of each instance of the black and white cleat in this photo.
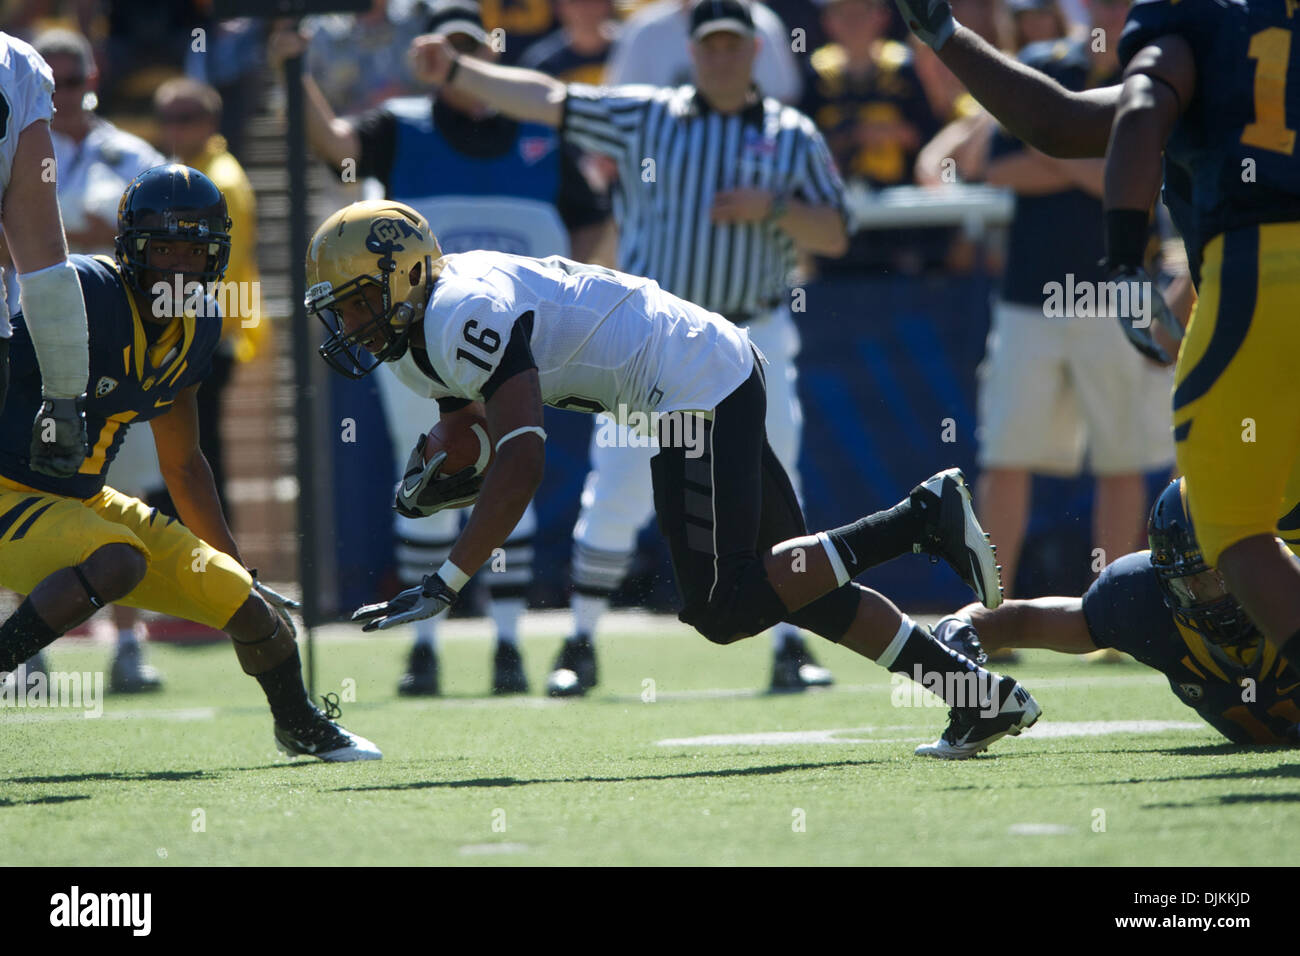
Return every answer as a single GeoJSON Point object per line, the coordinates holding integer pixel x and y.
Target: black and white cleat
{"type": "Point", "coordinates": [953, 533]}
{"type": "Point", "coordinates": [970, 730]}
{"type": "Point", "coordinates": [316, 734]}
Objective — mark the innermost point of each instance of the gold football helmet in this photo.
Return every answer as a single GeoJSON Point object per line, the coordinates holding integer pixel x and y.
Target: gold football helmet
{"type": "Point", "coordinates": [370, 269]}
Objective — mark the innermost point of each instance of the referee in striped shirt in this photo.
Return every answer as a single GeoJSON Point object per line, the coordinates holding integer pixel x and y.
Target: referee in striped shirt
{"type": "Point", "coordinates": [718, 186]}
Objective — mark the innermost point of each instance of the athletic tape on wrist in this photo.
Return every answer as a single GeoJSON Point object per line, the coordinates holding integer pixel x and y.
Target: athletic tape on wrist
{"type": "Point", "coordinates": [452, 576]}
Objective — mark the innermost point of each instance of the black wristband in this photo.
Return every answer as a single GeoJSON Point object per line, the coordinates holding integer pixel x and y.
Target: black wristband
{"type": "Point", "coordinates": [1126, 238]}
{"type": "Point", "coordinates": [455, 65]}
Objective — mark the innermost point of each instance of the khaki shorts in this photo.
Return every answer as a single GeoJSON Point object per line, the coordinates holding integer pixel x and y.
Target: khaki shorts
{"type": "Point", "coordinates": [1054, 391]}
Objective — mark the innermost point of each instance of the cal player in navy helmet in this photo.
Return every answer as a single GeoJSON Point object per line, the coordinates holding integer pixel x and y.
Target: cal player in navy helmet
{"type": "Point", "coordinates": [73, 544]}
{"type": "Point", "coordinates": [1172, 612]}
{"type": "Point", "coordinates": [1212, 90]}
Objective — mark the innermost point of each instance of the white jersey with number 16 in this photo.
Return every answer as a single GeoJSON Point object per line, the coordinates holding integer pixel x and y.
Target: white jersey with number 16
{"type": "Point", "coordinates": [602, 340]}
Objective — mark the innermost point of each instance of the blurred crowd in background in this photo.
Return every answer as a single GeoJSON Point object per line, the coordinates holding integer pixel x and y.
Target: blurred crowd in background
{"type": "Point", "coordinates": [879, 99]}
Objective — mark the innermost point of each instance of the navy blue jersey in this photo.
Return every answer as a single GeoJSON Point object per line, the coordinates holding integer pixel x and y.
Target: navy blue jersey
{"type": "Point", "coordinates": [1032, 262]}
{"type": "Point", "coordinates": [1235, 142]}
{"type": "Point", "coordinates": [1249, 694]}
{"type": "Point", "coordinates": [136, 372]}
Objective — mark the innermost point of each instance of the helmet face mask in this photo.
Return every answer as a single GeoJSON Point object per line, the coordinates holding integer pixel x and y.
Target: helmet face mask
{"type": "Point", "coordinates": [1193, 591]}
{"type": "Point", "coordinates": [171, 203]}
{"type": "Point", "coordinates": [360, 334]}
{"type": "Point", "coordinates": [369, 273]}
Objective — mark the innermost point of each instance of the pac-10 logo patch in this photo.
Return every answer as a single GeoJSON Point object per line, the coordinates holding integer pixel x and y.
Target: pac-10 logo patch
{"type": "Point", "coordinates": [105, 386]}
{"type": "Point", "coordinates": [1192, 691]}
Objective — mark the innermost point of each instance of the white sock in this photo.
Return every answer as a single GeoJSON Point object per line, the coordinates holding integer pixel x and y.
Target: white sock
{"type": "Point", "coordinates": [587, 612]}
{"type": "Point", "coordinates": [426, 633]}
{"type": "Point", "coordinates": [895, 647]}
{"type": "Point", "coordinates": [127, 639]}
{"type": "Point", "coordinates": [505, 615]}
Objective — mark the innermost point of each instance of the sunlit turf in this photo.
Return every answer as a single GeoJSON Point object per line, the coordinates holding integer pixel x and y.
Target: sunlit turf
{"type": "Point", "coordinates": [190, 776]}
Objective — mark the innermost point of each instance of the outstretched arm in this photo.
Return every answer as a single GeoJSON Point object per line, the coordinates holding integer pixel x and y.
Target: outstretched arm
{"type": "Point", "coordinates": [1034, 107]}
{"type": "Point", "coordinates": [1050, 623]}
{"type": "Point", "coordinates": [520, 94]}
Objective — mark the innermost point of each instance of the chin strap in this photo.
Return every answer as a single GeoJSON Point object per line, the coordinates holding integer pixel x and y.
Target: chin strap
{"type": "Point", "coordinates": [411, 309]}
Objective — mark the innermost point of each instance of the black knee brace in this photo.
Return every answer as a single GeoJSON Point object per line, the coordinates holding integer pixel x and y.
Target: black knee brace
{"type": "Point", "coordinates": [743, 604]}
{"type": "Point", "coordinates": [831, 614]}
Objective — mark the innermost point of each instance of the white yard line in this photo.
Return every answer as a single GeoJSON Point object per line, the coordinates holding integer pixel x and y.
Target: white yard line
{"type": "Point", "coordinates": [862, 735]}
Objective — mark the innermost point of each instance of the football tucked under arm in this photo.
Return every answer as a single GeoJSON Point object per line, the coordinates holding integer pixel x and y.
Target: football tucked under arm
{"type": "Point", "coordinates": [445, 468]}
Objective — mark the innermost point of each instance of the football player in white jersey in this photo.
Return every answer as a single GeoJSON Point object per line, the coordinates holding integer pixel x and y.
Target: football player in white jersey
{"type": "Point", "coordinates": [501, 335]}
{"type": "Point", "coordinates": [51, 295]}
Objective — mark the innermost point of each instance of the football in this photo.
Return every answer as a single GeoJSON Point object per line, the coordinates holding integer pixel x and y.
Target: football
{"type": "Point", "coordinates": [464, 436]}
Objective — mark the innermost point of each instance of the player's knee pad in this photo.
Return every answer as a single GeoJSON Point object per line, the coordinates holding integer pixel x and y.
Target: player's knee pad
{"type": "Point", "coordinates": [743, 603]}
{"type": "Point", "coordinates": [831, 615]}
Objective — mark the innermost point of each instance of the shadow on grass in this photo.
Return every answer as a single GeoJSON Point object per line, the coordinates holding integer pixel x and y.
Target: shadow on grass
{"type": "Point", "coordinates": [1226, 800]}
{"type": "Point", "coordinates": [1284, 771]}
{"type": "Point", "coordinates": [51, 798]}
{"type": "Point", "coordinates": [150, 776]}
{"type": "Point", "coordinates": [1222, 750]}
{"type": "Point", "coordinates": [695, 774]}
{"type": "Point", "coordinates": [126, 776]}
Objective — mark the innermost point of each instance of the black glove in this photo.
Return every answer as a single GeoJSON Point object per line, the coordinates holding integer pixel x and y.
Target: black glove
{"type": "Point", "coordinates": [425, 600]}
{"type": "Point", "coordinates": [421, 492]}
{"type": "Point", "coordinates": [1138, 327]}
{"type": "Point", "coordinates": [59, 442]}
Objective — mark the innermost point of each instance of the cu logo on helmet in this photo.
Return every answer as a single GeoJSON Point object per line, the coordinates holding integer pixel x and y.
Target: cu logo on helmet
{"type": "Point", "coordinates": [386, 235]}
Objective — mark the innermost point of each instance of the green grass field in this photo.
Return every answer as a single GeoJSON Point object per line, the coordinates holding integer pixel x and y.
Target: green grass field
{"type": "Point", "coordinates": [190, 776]}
